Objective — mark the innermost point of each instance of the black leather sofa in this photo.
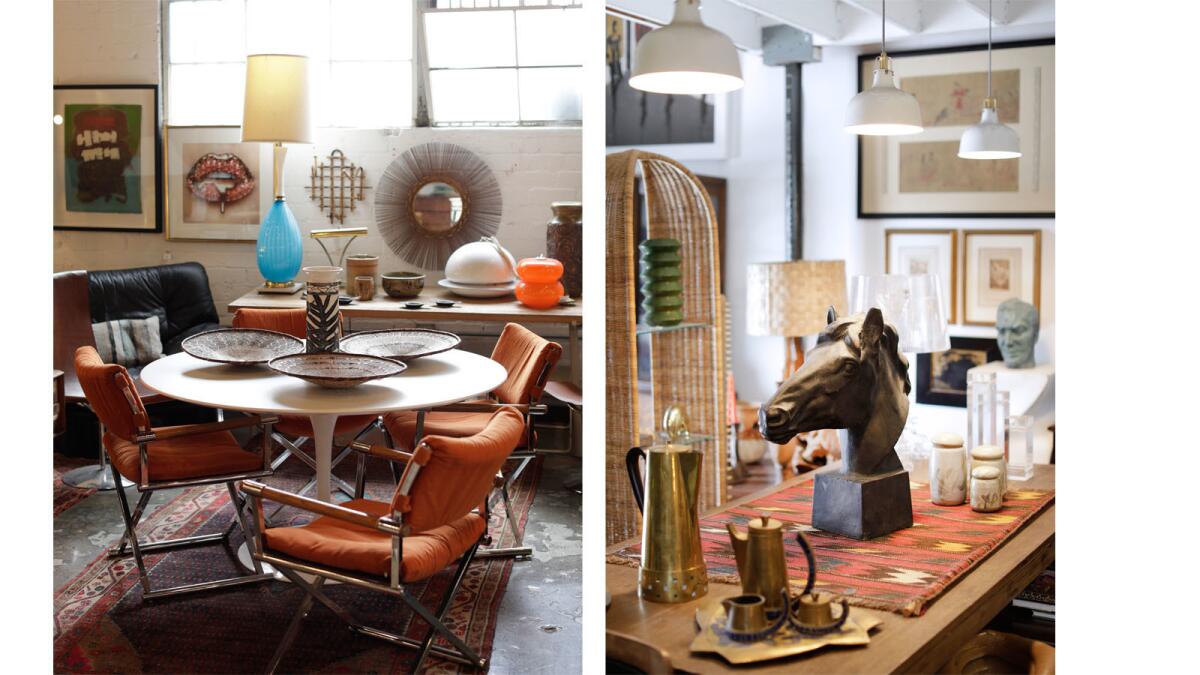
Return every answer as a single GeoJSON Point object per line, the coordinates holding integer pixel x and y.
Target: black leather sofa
{"type": "Point", "coordinates": [178, 294]}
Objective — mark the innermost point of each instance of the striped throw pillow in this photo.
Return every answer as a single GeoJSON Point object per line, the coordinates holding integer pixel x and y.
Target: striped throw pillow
{"type": "Point", "coordinates": [129, 342]}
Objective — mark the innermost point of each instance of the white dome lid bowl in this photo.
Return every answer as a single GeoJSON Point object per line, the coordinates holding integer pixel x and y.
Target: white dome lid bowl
{"type": "Point", "coordinates": [481, 262]}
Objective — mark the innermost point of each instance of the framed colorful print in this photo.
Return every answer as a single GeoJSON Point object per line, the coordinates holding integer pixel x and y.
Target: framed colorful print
{"type": "Point", "coordinates": [218, 188]}
{"type": "Point", "coordinates": [107, 151]}
{"type": "Point", "coordinates": [942, 376]}
{"type": "Point", "coordinates": [926, 252]}
{"type": "Point", "coordinates": [998, 265]}
{"type": "Point", "coordinates": [921, 175]}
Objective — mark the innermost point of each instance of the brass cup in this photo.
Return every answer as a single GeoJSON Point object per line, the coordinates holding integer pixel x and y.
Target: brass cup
{"type": "Point", "coordinates": [815, 609]}
{"type": "Point", "coordinates": [365, 287]}
{"type": "Point", "coordinates": [745, 613]}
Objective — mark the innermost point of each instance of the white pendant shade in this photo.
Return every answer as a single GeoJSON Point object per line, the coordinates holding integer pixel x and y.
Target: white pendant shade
{"type": "Point", "coordinates": [882, 109]}
{"type": "Point", "coordinates": [276, 107]}
{"type": "Point", "coordinates": [686, 57]}
{"type": "Point", "coordinates": [989, 139]}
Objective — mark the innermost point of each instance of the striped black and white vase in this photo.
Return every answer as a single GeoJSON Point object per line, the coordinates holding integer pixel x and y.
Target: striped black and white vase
{"type": "Point", "coordinates": [324, 325]}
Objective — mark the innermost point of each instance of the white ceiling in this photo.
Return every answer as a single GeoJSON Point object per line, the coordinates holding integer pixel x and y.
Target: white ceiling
{"type": "Point", "coordinates": [910, 23]}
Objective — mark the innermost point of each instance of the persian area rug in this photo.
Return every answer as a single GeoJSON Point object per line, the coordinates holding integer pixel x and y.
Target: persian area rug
{"type": "Point", "coordinates": [66, 496]}
{"type": "Point", "coordinates": [102, 626]}
{"type": "Point", "coordinates": [902, 572]}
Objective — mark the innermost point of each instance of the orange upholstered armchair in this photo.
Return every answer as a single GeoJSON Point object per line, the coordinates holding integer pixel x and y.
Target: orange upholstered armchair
{"type": "Point", "coordinates": [438, 514]}
{"type": "Point", "coordinates": [167, 457]}
{"type": "Point", "coordinates": [528, 358]}
{"type": "Point", "coordinates": [292, 431]}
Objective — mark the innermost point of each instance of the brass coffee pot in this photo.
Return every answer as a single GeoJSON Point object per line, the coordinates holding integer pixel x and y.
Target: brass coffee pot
{"type": "Point", "coordinates": [761, 562]}
{"type": "Point", "coordinates": [672, 568]}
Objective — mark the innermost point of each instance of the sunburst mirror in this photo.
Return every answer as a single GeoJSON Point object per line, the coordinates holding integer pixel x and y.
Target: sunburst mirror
{"type": "Point", "coordinates": [434, 198]}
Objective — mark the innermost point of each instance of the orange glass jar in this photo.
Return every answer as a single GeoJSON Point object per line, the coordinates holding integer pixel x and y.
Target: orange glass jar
{"type": "Point", "coordinates": [539, 287]}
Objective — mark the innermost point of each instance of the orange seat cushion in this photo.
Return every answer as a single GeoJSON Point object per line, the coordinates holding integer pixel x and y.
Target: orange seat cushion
{"type": "Point", "coordinates": [301, 425]}
{"type": "Point", "coordinates": [199, 456]}
{"type": "Point", "coordinates": [337, 543]}
{"type": "Point", "coordinates": [403, 425]}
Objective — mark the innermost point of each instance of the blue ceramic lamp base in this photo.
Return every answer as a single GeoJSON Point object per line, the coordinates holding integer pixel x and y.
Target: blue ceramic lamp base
{"type": "Point", "coordinates": [280, 250]}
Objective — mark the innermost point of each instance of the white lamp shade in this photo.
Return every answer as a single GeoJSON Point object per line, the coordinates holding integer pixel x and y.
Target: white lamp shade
{"type": "Point", "coordinates": [989, 139]}
{"type": "Point", "coordinates": [686, 57]}
{"type": "Point", "coordinates": [883, 110]}
{"type": "Point", "coordinates": [276, 105]}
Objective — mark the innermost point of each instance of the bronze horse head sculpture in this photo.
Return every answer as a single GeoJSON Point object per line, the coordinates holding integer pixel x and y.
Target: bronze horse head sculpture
{"type": "Point", "coordinates": [855, 379]}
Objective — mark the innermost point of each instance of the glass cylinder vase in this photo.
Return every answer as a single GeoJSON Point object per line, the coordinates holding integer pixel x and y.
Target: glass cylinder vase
{"type": "Point", "coordinates": [1020, 447]}
{"type": "Point", "coordinates": [323, 326]}
{"type": "Point", "coordinates": [981, 409]}
{"type": "Point", "coordinates": [1002, 410]}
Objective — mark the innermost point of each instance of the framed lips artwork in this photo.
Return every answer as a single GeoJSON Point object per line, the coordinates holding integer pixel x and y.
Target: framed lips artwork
{"type": "Point", "coordinates": [218, 188]}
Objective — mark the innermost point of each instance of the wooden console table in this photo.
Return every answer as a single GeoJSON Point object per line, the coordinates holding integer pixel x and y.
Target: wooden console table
{"type": "Point", "coordinates": [497, 310]}
{"type": "Point", "coordinates": [901, 644]}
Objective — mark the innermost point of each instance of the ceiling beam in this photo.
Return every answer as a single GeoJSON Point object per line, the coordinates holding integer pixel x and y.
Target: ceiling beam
{"type": "Point", "coordinates": [903, 15]}
{"type": "Point", "coordinates": [1001, 10]}
{"type": "Point", "coordinates": [819, 17]}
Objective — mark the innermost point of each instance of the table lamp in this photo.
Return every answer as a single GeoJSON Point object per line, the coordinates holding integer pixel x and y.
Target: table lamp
{"type": "Point", "coordinates": [277, 111]}
{"type": "Point", "coordinates": [792, 299]}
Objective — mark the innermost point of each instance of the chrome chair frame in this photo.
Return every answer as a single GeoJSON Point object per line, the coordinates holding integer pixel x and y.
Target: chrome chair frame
{"type": "Point", "coordinates": [146, 487]}
{"type": "Point", "coordinates": [393, 525]}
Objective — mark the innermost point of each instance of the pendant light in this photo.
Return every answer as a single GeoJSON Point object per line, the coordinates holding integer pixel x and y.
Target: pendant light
{"type": "Point", "coordinates": [989, 139]}
{"type": "Point", "coordinates": [686, 57]}
{"type": "Point", "coordinates": [883, 109]}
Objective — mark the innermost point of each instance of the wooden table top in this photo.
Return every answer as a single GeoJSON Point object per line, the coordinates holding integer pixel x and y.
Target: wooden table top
{"type": "Point", "coordinates": [904, 644]}
{"type": "Point", "coordinates": [469, 309]}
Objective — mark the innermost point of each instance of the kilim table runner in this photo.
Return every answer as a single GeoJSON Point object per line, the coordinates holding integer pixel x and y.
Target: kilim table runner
{"type": "Point", "coordinates": [902, 572]}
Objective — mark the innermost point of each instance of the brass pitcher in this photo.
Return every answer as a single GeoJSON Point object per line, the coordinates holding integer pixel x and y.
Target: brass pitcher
{"type": "Point", "coordinates": [672, 568]}
{"type": "Point", "coordinates": [761, 562]}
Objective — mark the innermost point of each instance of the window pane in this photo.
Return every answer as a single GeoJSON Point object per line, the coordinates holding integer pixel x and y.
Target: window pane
{"type": "Point", "coordinates": [470, 39]}
{"type": "Point", "coordinates": [287, 27]}
{"type": "Point", "coordinates": [371, 94]}
{"type": "Point", "coordinates": [474, 95]}
{"type": "Point", "coordinates": [206, 31]}
{"type": "Point", "coordinates": [376, 30]}
{"type": "Point", "coordinates": [549, 94]}
{"type": "Point", "coordinates": [206, 94]}
{"type": "Point", "coordinates": [550, 37]}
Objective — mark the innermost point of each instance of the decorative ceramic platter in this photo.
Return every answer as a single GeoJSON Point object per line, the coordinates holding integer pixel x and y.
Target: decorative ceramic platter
{"type": "Point", "coordinates": [400, 344]}
{"type": "Point", "coordinates": [336, 370]}
{"type": "Point", "coordinates": [479, 290]}
{"type": "Point", "coordinates": [241, 346]}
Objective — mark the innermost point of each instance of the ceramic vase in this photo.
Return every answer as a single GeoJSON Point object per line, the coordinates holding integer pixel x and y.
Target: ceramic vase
{"type": "Point", "coordinates": [361, 265]}
{"type": "Point", "coordinates": [564, 242]}
{"type": "Point", "coordinates": [323, 329]}
{"type": "Point", "coordinates": [662, 290]}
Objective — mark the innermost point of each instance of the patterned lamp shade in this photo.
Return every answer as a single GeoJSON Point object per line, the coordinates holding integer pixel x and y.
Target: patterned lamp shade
{"type": "Point", "coordinates": [791, 298]}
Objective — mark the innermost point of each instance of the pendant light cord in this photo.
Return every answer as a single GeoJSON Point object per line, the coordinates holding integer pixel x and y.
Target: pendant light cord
{"type": "Point", "coordinates": [883, 26]}
{"type": "Point", "coordinates": [989, 48]}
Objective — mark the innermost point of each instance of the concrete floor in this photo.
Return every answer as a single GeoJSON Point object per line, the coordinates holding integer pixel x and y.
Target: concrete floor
{"type": "Point", "coordinates": [539, 627]}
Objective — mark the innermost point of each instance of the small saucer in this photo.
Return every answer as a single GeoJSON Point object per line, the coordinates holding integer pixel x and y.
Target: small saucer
{"type": "Point", "coordinates": [445, 304]}
{"type": "Point", "coordinates": [414, 305]}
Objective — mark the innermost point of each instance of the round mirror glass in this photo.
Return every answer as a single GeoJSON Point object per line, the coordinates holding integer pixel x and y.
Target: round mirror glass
{"type": "Point", "coordinates": [437, 207]}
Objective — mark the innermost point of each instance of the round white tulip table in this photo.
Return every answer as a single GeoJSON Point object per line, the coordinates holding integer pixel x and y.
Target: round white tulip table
{"type": "Point", "coordinates": [428, 382]}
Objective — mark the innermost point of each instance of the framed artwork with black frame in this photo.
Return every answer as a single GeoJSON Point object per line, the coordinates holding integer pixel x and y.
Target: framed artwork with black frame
{"type": "Point", "coordinates": [107, 154]}
{"type": "Point", "coordinates": [922, 176]}
{"type": "Point", "coordinates": [942, 376]}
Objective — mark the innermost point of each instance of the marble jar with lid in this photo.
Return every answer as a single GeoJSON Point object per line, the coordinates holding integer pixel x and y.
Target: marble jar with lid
{"type": "Point", "coordinates": [991, 455]}
{"type": "Point", "coordinates": [986, 494]}
{"type": "Point", "coordinates": [948, 470]}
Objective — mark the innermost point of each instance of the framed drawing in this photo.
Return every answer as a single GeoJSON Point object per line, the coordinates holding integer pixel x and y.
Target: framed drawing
{"type": "Point", "coordinates": [998, 265]}
{"type": "Point", "coordinates": [218, 188]}
{"type": "Point", "coordinates": [921, 175]}
{"type": "Point", "coordinates": [680, 126]}
{"type": "Point", "coordinates": [107, 152]}
{"type": "Point", "coordinates": [926, 252]}
{"type": "Point", "coordinates": [942, 376]}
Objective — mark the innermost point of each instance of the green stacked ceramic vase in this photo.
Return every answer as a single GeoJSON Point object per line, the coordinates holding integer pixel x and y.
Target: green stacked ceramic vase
{"type": "Point", "coordinates": [662, 289]}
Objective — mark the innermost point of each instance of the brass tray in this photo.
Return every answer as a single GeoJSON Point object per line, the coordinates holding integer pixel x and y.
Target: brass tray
{"type": "Point", "coordinates": [787, 642]}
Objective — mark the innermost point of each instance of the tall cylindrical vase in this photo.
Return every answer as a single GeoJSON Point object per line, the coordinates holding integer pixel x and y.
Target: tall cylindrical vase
{"type": "Point", "coordinates": [662, 289]}
{"type": "Point", "coordinates": [564, 243]}
{"type": "Point", "coordinates": [323, 332]}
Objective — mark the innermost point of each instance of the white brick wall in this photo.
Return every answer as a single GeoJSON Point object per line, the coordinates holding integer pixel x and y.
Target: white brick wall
{"type": "Point", "coordinates": [116, 41]}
